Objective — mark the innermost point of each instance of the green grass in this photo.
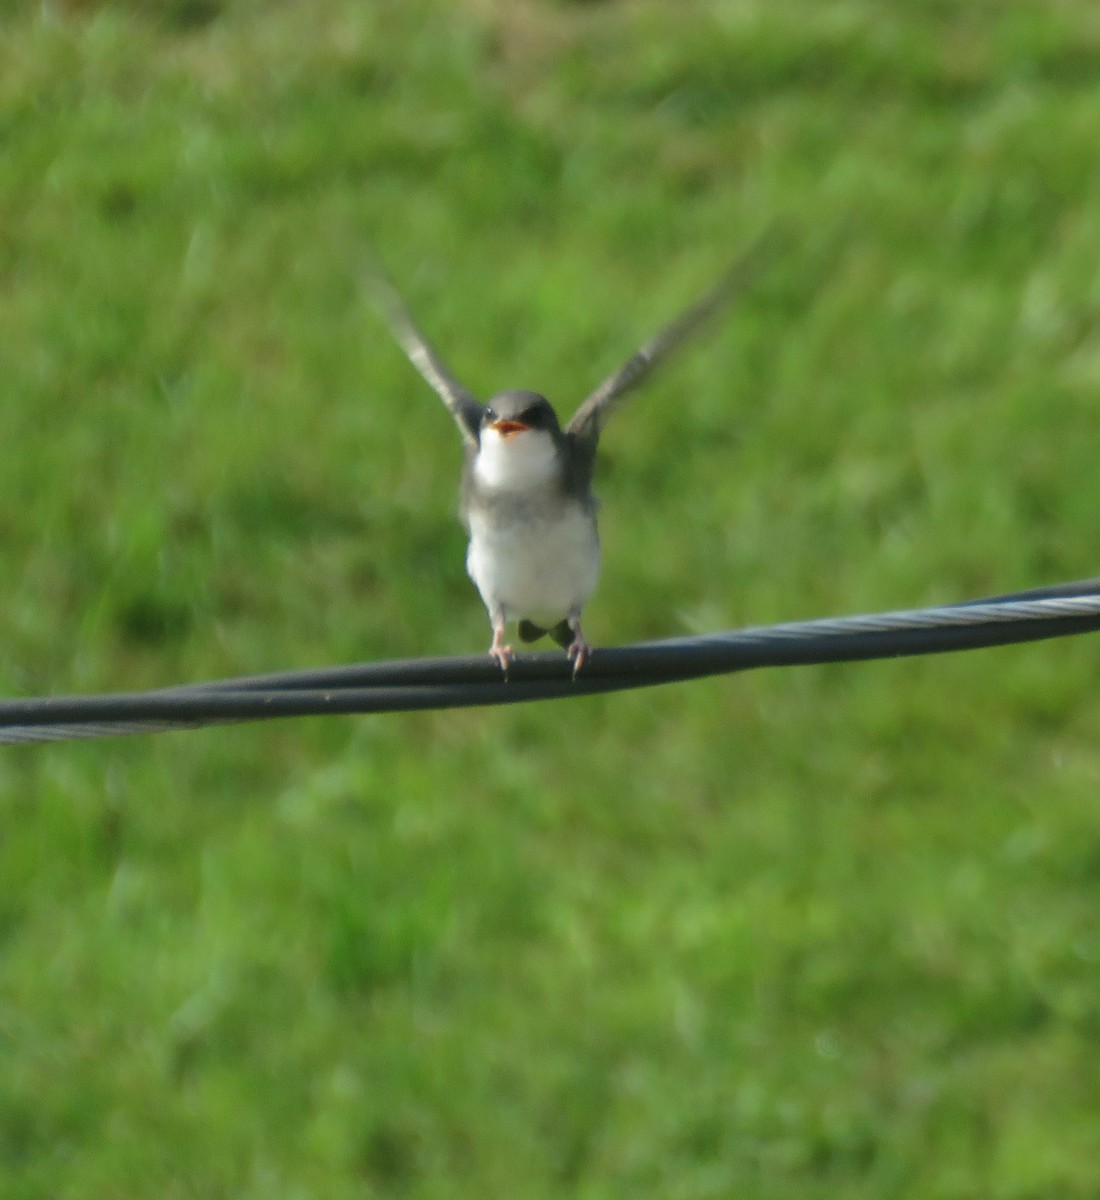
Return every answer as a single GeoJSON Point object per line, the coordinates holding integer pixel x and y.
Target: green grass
{"type": "Point", "coordinates": [812, 933]}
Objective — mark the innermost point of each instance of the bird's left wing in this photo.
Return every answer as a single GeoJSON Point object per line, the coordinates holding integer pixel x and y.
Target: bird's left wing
{"type": "Point", "coordinates": [588, 420]}
{"type": "Point", "coordinates": [461, 403]}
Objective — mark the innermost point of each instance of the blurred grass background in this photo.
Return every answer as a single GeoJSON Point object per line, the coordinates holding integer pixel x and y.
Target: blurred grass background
{"type": "Point", "coordinates": [825, 932]}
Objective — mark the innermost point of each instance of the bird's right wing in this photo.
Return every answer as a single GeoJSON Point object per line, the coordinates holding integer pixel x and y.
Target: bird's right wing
{"type": "Point", "coordinates": [462, 405]}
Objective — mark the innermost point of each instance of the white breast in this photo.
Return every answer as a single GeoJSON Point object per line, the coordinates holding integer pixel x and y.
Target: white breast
{"type": "Point", "coordinates": [541, 568]}
{"type": "Point", "coordinates": [516, 462]}
{"type": "Point", "coordinates": [536, 557]}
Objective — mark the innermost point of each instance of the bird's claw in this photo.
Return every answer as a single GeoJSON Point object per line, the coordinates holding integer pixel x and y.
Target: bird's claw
{"type": "Point", "coordinates": [579, 652]}
{"type": "Point", "coordinates": [503, 655]}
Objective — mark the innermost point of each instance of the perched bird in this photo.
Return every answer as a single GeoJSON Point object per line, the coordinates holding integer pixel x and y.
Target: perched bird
{"type": "Point", "coordinates": [527, 500]}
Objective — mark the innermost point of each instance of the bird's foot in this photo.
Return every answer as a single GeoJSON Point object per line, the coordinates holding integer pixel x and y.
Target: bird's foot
{"type": "Point", "coordinates": [579, 650]}
{"type": "Point", "coordinates": [504, 655]}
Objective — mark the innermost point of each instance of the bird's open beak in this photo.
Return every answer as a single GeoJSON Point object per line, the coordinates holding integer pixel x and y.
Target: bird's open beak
{"type": "Point", "coordinates": [507, 428]}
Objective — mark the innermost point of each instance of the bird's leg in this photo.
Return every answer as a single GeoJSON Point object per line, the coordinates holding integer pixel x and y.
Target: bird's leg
{"type": "Point", "coordinates": [498, 650]}
{"type": "Point", "coordinates": [579, 650]}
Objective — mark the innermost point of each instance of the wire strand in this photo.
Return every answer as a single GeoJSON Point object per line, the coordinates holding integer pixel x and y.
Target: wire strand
{"type": "Point", "coordinates": [433, 683]}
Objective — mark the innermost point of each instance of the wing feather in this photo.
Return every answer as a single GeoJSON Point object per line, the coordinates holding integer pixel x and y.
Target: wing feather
{"type": "Point", "coordinates": [588, 420]}
{"type": "Point", "coordinates": [459, 401]}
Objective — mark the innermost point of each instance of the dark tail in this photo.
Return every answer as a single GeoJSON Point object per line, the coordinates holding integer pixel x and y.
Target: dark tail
{"type": "Point", "coordinates": [561, 633]}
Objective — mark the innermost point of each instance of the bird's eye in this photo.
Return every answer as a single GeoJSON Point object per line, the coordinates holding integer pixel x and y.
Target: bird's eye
{"type": "Point", "coordinates": [532, 416]}
{"type": "Point", "coordinates": [488, 416]}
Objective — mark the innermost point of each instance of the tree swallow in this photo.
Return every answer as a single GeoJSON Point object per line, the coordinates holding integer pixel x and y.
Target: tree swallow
{"type": "Point", "coordinates": [527, 500]}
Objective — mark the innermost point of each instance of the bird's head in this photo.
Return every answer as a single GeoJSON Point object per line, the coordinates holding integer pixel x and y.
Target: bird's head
{"type": "Point", "coordinates": [519, 442]}
{"type": "Point", "coordinates": [512, 414]}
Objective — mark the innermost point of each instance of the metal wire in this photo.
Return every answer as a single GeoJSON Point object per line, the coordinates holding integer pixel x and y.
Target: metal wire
{"type": "Point", "coordinates": [433, 683]}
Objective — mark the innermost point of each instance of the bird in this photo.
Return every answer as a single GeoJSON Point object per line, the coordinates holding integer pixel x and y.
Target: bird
{"type": "Point", "coordinates": [526, 497]}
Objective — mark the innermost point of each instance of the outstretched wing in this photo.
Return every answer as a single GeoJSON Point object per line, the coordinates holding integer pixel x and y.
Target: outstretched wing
{"type": "Point", "coordinates": [461, 403]}
{"type": "Point", "coordinates": [588, 420]}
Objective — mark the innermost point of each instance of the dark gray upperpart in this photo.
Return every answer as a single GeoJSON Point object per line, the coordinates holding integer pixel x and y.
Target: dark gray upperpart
{"type": "Point", "coordinates": [577, 442]}
{"type": "Point", "coordinates": [519, 404]}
